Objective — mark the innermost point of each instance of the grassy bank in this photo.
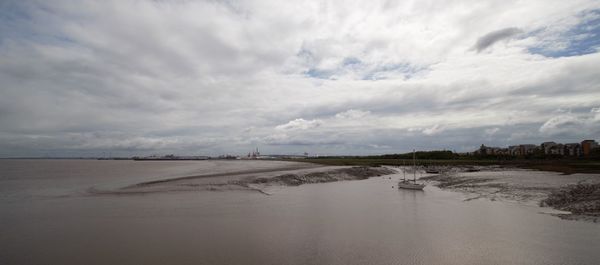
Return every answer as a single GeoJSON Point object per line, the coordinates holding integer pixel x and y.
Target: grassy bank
{"type": "Point", "coordinates": [563, 166]}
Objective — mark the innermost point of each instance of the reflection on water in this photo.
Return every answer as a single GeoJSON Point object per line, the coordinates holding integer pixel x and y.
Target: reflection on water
{"type": "Point", "coordinates": [354, 222]}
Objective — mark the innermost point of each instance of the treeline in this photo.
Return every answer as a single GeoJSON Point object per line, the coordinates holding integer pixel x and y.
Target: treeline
{"type": "Point", "coordinates": [421, 155]}
{"type": "Point", "coordinates": [449, 155]}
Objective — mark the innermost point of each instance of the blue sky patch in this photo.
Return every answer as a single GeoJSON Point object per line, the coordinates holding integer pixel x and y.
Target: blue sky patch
{"type": "Point", "coordinates": [347, 63]}
{"type": "Point", "coordinates": [407, 69]}
{"type": "Point", "coordinates": [13, 19]}
{"type": "Point", "coordinates": [351, 61]}
{"type": "Point", "coordinates": [582, 39]}
{"type": "Point", "coordinates": [319, 73]}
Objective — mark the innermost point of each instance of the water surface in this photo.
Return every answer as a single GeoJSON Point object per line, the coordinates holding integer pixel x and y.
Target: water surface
{"type": "Point", "coordinates": [47, 217]}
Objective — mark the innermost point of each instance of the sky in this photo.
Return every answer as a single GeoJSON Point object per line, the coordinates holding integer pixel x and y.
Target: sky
{"type": "Point", "coordinates": [121, 77]}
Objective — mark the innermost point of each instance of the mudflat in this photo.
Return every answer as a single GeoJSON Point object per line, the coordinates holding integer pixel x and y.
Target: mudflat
{"type": "Point", "coordinates": [576, 194]}
{"type": "Point", "coordinates": [289, 174]}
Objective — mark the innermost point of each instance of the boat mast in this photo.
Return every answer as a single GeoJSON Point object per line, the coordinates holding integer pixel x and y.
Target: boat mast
{"type": "Point", "coordinates": [414, 167]}
{"type": "Point", "coordinates": [404, 170]}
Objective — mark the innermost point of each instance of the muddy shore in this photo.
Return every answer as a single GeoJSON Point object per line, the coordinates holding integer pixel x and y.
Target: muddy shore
{"type": "Point", "coordinates": [261, 180]}
{"type": "Point", "coordinates": [565, 166]}
{"type": "Point", "coordinates": [576, 195]}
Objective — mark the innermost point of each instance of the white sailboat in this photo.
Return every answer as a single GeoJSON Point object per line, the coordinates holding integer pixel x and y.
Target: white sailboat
{"type": "Point", "coordinates": [411, 185]}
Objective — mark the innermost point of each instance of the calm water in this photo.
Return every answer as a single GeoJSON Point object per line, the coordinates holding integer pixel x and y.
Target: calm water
{"type": "Point", "coordinates": [46, 217]}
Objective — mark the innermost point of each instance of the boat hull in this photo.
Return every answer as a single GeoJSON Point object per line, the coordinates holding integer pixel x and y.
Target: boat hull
{"type": "Point", "coordinates": [410, 186]}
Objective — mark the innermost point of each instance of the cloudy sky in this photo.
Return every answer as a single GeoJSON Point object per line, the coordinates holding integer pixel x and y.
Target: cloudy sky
{"type": "Point", "coordinates": [324, 77]}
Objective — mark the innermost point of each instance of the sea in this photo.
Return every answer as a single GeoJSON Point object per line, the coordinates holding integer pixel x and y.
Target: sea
{"type": "Point", "coordinates": [48, 215]}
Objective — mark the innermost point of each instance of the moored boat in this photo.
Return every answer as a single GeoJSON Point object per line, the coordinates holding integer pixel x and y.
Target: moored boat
{"type": "Point", "coordinates": [411, 185]}
{"type": "Point", "coordinates": [407, 184]}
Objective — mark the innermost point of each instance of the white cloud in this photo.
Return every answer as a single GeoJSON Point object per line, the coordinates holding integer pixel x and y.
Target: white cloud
{"type": "Point", "coordinates": [435, 129]}
{"type": "Point", "coordinates": [161, 75]}
{"type": "Point", "coordinates": [491, 131]}
{"type": "Point", "coordinates": [299, 124]}
{"type": "Point", "coordinates": [595, 113]}
{"type": "Point", "coordinates": [352, 114]}
{"type": "Point", "coordinates": [561, 124]}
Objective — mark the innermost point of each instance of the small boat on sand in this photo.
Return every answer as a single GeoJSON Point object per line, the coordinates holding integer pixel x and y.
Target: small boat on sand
{"type": "Point", "coordinates": [411, 185]}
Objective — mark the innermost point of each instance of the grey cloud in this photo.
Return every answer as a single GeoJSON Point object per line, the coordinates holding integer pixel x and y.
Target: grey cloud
{"type": "Point", "coordinates": [562, 125]}
{"type": "Point", "coordinates": [404, 140]}
{"type": "Point", "coordinates": [201, 77]}
{"type": "Point", "coordinates": [573, 125]}
{"type": "Point", "coordinates": [489, 39]}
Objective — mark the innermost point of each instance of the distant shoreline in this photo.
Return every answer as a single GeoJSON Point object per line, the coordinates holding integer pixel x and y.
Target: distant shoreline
{"type": "Point", "coordinates": [565, 166]}
{"type": "Point", "coordinates": [558, 165]}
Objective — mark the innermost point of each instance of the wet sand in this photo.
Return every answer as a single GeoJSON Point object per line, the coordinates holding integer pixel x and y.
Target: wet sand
{"type": "Point", "coordinates": [253, 179]}
{"type": "Point", "coordinates": [523, 186]}
{"type": "Point", "coordinates": [517, 185]}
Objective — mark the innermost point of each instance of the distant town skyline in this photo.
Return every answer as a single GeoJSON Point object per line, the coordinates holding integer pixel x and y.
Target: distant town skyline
{"type": "Point", "coordinates": [86, 78]}
{"type": "Point", "coordinates": [584, 148]}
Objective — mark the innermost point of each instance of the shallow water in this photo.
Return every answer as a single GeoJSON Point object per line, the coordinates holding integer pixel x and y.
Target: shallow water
{"type": "Point", "coordinates": [47, 217]}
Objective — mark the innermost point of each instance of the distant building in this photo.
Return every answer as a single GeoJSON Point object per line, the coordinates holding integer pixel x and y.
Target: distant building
{"type": "Point", "coordinates": [573, 149]}
{"type": "Point", "coordinates": [503, 151]}
{"type": "Point", "coordinates": [546, 146]}
{"type": "Point", "coordinates": [486, 150]}
{"type": "Point", "coordinates": [587, 146]}
{"type": "Point", "coordinates": [514, 150]}
{"type": "Point", "coordinates": [557, 149]}
{"type": "Point", "coordinates": [255, 154]}
{"type": "Point", "coordinates": [527, 148]}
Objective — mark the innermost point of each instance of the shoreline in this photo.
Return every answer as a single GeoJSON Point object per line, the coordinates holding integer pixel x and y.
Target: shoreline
{"type": "Point", "coordinates": [565, 166]}
{"type": "Point", "coordinates": [566, 193]}
{"type": "Point", "coordinates": [576, 196]}
{"type": "Point", "coordinates": [258, 180]}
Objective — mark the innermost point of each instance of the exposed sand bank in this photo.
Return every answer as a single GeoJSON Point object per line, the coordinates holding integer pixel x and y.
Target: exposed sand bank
{"type": "Point", "coordinates": [578, 194]}
{"type": "Point", "coordinates": [582, 200]}
{"type": "Point", "coordinates": [259, 180]}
